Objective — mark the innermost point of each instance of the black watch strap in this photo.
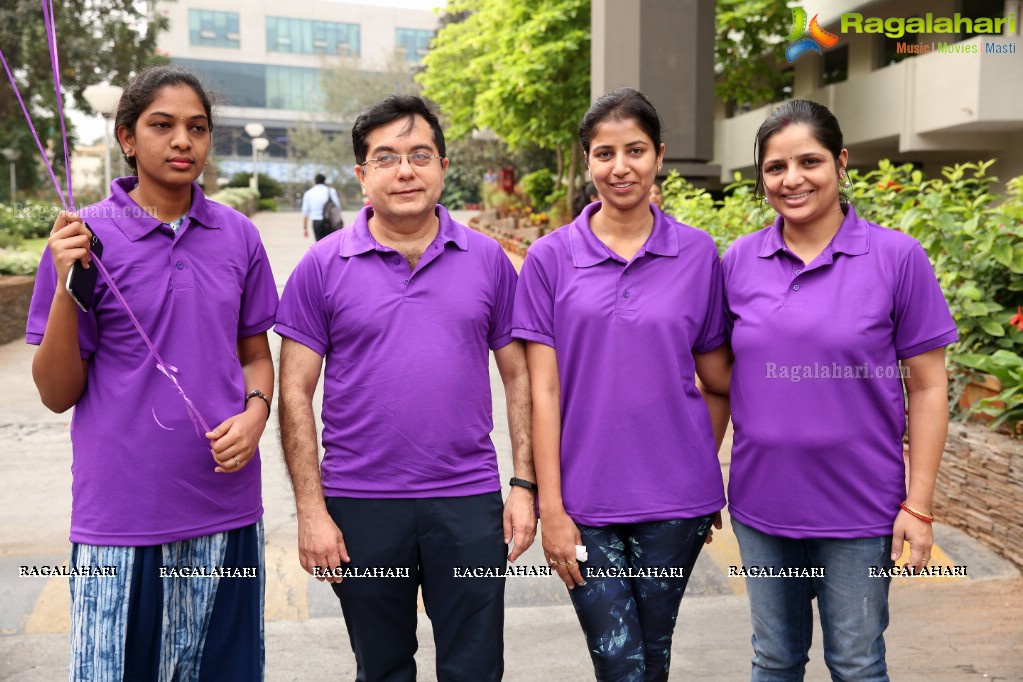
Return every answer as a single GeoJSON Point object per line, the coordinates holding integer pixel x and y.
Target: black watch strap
{"type": "Point", "coordinates": [523, 483]}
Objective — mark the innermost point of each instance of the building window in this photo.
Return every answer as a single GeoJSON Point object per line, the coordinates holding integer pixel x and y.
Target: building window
{"type": "Point", "coordinates": [412, 43]}
{"type": "Point", "coordinates": [975, 9]}
{"type": "Point", "coordinates": [235, 84]}
{"type": "Point", "coordinates": [836, 65]}
{"type": "Point", "coordinates": [305, 36]}
{"type": "Point", "coordinates": [293, 88]}
{"type": "Point", "coordinates": [207, 28]}
{"type": "Point", "coordinates": [893, 50]}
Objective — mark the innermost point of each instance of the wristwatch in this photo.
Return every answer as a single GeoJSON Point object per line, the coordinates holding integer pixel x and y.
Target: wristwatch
{"type": "Point", "coordinates": [256, 393]}
{"type": "Point", "coordinates": [523, 483]}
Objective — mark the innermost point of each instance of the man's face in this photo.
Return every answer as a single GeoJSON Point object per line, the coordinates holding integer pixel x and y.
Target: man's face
{"type": "Point", "coordinates": [406, 191]}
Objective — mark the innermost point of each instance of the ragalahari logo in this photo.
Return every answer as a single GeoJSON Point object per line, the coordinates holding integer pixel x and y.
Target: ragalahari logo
{"type": "Point", "coordinates": [800, 43]}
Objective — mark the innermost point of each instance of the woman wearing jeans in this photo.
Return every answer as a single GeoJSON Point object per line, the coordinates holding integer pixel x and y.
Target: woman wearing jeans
{"type": "Point", "coordinates": [834, 321]}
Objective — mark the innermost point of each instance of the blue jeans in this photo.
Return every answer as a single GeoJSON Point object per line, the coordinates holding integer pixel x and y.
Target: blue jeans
{"type": "Point", "coordinates": [629, 621]}
{"type": "Point", "coordinates": [853, 605]}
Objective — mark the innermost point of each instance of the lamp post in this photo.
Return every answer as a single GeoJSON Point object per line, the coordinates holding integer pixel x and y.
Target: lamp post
{"type": "Point", "coordinates": [104, 98]}
{"type": "Point", "coordinates": [12, 155]}
{"type": "Point", "coordinates": [258, 144]}
{"type": "Point", "coordinates": [254, 130]}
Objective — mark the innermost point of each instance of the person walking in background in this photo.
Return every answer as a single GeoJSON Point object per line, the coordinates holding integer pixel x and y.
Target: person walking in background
{"type": "Point", "coordinates": [834, 320]}
{"type": "Point", "coordinates": [621, 310]}
{"type": "Point", "coordinates": [149, 493]}
{"type": "Point", "coordinates": [313, 202]}
{"type": "Point", "coordinates": [409, 480]}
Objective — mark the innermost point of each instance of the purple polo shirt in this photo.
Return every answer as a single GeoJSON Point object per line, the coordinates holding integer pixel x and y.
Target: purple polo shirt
{"type": "Point", "coordinates": [140, 474]}
{"type": "Point", "coordinates": [817, 399]}
{"type": "Point", "coordinates": [406, 388]}
{"type": "Point", "coordinates": [636, 437]}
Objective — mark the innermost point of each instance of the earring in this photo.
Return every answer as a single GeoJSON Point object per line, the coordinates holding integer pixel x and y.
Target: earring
{"type": "Point", "coordinates": [847, 184]}
{"type": "Point", "coordinates": [765, 199]}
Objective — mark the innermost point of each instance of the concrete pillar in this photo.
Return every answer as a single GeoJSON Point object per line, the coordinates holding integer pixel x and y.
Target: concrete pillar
{"type": "Point", "coordinates": [664, 48]}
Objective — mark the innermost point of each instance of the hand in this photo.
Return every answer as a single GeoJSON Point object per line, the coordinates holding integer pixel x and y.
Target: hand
{"type": "Point", "coordinates": [559, 537]}
{"type": "Point", "coordinates": [920, 536]}
{"type": "Point", "coordinates": [305, 231]}
{"type": "Point", "coordinates": [233, 443]}
{"type": "Point", "coordinates": [321, 544]}
{"type": "Point", "coordinates": [519, 521]}
{"type": "Point", "coordinates": [68, 242]}
{"type": "Point", "coordinates": [715, 523]}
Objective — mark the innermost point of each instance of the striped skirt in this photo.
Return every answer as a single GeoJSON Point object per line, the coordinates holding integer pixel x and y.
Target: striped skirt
{"type": "Point", "coordinates": [186, 611]}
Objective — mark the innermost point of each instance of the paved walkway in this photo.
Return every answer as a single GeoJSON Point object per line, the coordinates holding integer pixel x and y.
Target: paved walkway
{"type": "Point", "coordinates": [946, 629]}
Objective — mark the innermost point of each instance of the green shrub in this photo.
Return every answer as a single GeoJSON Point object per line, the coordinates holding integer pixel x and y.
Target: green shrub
{"type": "Point", "coordinates": [726, 219]}
{"type": "Point", "coordinates": [538, 187]}
{"type": "Point", "coordinates": [14, 262]}
{"type": "Point", "coordinates": [267, 204]}
{"type": "Point", "coordinates": [29, 220]}
{"type": "Point", "coordinates": [238, 198]}
{"type": "Point", "coordinates": [268, 187]}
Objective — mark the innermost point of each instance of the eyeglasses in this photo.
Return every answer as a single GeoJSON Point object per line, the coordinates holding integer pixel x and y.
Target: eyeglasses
{"type": "Point", "coordinates": [421, 159]}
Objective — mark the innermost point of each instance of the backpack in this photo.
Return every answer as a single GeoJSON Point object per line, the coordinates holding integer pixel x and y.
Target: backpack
{"type": "Point", "coordinates": [332, 219]}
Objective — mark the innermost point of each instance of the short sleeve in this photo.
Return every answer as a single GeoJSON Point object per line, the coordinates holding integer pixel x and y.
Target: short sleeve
{"type": "Point", "coordinates": [922, 318]}
{"type": "Point", "coordinates": [39, 310]}
{"type": "Point", "coordinates": [713, 332]}
{"type": "Point", "coordinates": [259, 297]}
{"type": "Point", "coordinates": [302, 315]}
{"type": "Point", "coordinates": [533, 318]}
{"type": "Point", "coordinates": [500, 332]}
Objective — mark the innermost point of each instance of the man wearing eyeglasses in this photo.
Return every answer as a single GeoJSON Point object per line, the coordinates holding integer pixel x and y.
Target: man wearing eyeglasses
{"type": "Point", "coordinates": [405, 305]}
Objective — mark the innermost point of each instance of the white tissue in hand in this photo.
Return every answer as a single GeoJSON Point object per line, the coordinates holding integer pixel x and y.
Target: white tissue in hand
{"type": "Point", "coordinates": [580, 553]}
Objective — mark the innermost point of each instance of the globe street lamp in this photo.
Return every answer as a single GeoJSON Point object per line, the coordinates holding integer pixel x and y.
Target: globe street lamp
{"type": "Point", "coordinates": [103, 99]}
{"type": "Point", "coordinates": [258, 144]}
{"type": "Point", "coordinates": [254, 130]}
{"type": "Point", "coordinates": [12, 155]}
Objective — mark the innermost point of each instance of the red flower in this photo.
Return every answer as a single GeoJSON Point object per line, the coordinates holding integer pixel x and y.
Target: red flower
{"type": "Point", "coordinates": [1017, 319]}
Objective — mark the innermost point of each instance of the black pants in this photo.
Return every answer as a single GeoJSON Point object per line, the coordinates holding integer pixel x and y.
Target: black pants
{"type": "Point", "coordinates": [320, 229]}
{"type": "Point", "coordinates": [434, 538]}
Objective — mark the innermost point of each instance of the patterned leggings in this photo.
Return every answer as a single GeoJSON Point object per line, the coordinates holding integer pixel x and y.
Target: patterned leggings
{"type": "Point", "coordinates": [628, 619]}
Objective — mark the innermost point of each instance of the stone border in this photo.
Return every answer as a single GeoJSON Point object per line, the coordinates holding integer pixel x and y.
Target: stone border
{"type": "Point", "coordinates": [15, 295]}
{"type": "Point", "coordinates": [980, 488]}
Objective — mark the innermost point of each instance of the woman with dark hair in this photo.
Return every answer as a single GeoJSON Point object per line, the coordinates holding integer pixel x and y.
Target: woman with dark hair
{"type": "Point", "coordinates": [621, 311]}
{"type": "Point", "coordinates": [155, 500]}
{"type": "Point", "coordinates": [834, 320]}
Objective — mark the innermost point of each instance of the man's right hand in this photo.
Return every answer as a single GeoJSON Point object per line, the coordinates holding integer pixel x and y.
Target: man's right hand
{"type": "Point", "coordinates": [321, 544]}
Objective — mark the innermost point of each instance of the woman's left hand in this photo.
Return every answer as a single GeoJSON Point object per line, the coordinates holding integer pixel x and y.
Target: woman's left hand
{"type": "Point", "coordinates": [233, 442]}
{"type": "Point", "coordinates": [918, 534]}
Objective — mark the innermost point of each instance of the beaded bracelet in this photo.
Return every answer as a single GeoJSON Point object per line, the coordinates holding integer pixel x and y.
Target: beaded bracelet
{"type": "Point", "coordinates": [928, 518]}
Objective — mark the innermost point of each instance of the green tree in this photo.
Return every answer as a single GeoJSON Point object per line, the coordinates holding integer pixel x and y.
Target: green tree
{"type": "Point", "coordinates": [519, 68]}
{"type": "Point", "coordinates": [97, 40]}
{"type": "Point", "coordinates": [748, 47]}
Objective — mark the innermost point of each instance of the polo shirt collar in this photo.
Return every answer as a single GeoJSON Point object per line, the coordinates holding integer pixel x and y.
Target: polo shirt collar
{"type": "Point", "coordinates": [852, 238]}
{"type": "Point", "coordinates": [360, 240]}
{"type": "Point", "coordinates": [135, 223]}
{"type": "Point", "coordinates": [588, 251]}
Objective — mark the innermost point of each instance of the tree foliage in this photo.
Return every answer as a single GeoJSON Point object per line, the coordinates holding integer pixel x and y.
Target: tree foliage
{"type": "Point", "coordinates": [748, 47]}
{"type": "Point", "coordinates": [98, 41]}
{"type": "Point", "coordinates": [518, 68]}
